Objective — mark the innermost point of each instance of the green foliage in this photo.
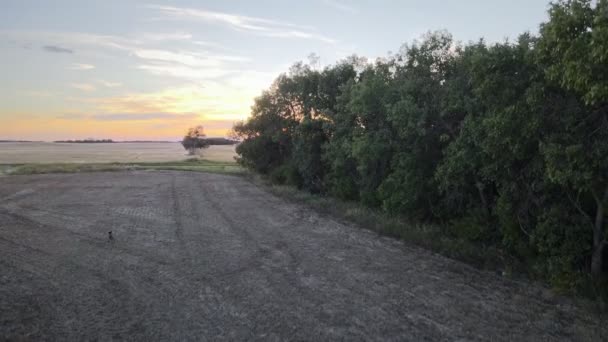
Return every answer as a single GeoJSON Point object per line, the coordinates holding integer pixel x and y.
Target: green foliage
{"type": "Point", "coordinates": [473, 227]}
{"type": "Point", "coordinates": [561, 249]}
{"type": "Point", "coordinates": [195, 140]}
{"type": "Point", "coordinates": [309, 139]}
{"type": "Point", "coordinates": [574, 46]}
{"type": "Point", "coordinates": [504, 145]}
{"type": "Point", "coordinates": [286, 174]}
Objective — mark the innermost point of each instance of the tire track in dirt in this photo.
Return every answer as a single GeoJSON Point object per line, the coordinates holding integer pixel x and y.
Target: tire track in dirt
{"type": "Point", "coordinates": [143, 282]}
{"type": "Point", "coordinates": [176, 212]}
{"type": "Point", "coordinates": [110, 295]}
{"type": "Point", "coordinates": [207, 256]}
{"type": "Point", "coordinates": [264, 253]}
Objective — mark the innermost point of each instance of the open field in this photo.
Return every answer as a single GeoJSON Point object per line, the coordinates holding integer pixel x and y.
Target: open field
{"type": "Point", "coordinates": [187, 165]}
{"type": "Point", "coordinates": [21, 153]}
{"type": "Point", "coordinates": [207, 256]}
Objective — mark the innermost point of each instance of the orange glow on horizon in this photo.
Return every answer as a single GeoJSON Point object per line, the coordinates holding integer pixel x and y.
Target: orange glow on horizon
{"type": "Point", "coordinates": [60, 129]}
{"type": "Point", "coordinates": [163, 115]}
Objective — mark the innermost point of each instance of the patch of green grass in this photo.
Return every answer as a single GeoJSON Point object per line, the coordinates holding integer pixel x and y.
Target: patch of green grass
{"type": "Point", "coordinates": [188, 165]}
{"type": "Point", "coordinates": [29, 169]}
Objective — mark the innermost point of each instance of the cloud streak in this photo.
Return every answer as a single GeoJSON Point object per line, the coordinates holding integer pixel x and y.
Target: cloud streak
{"type": "Point", "coordinates": [195, 64]}
{"type": "Point", "coordinates": [143, 116]}
{"type": "Point", "coordinates": [341, 6]}
{"type": "Point", "coordinates": [187, 64]}
{"type": "Point", "coordinates": [109, 84]}
{"type": "Point", "coordinates": [259, 26]}
{"type": "Point", "coordinates": [179, 57]}
{"type": "Point", "coordinates": [78, 39]}
{"type": "Point", "coordinates": [160, 37]}
{"type": "Point", "coordinates": [185, 72]}
{"type": "Point", "coordinates": [80, 66]}
{"type": "Point", "coordinates": [56, 49]}
{"type": "Point", "coordinates": [83, 86]}
{"type": "Point", "coordinates": [129, 116]}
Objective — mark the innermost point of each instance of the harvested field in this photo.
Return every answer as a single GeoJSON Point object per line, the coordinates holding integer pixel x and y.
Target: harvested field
{"type": "Point", "coordinates": [199, 256]}
{"type": "Point", "coordinates": [21, 153]}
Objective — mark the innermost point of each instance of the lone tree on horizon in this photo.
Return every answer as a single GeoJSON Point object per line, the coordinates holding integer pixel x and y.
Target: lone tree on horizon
{"type": "Point", "coordinates": [195, 140]}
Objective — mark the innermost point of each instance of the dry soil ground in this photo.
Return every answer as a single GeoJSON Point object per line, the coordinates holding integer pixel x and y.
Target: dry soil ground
{"type": "Point", "coordinates": [207, 256]}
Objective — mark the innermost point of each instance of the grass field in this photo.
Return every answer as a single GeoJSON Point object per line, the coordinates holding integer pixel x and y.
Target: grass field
{"type": "Point", "coordinates": [37, 158]}
{"type": "Point", "coordinates": [27, 153]}
{"type": "Point", "coordinates": [188, 165]}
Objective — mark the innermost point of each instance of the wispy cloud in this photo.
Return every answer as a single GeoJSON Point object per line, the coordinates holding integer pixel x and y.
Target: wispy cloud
{"type": "Point", "coordinates": [56, 49]}
{"type": "Point", "coordinates": [173, 57]}
{"type": "Point", "coordinates": [208, 44]}
{"type": "Point", "coordinates": [128, 116]}
{"type": "Point", "coordinates": [83, 86]}
{"type": "Point", "coordinates": [144, 116]}
{"type": "Point", "coordinates": [341, 6]}
{"type": "Point", "coordinates": [63, 38]}
{"type": "Point", "coordinates": [299, 34]}
{"type": "Point", "coordinates": [238, 21]}
{"type": "Point", "coordinates": [260, 26]}
{"type": "Point", "coordinates": [109, 84]}
{"type": "Point", "coordinates": [192, 65]}
{"type": "Point", "coordinates": [187, 57]}
{"type": "Point", "coordinates": [217, 84]}
{"type": "Point", "coordinates": [107, 41]}
{"type": "Point", "coordinates": [157, 37]}
{"type": "Point", "coordinates": [181, 71]}
{"type": "Point", "coordinates": [187, 64]}
{"type": "Point", "coordinates": [80, 66]}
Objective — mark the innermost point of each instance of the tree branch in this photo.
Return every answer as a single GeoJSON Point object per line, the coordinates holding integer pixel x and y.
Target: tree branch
{"type": "Point", "coordinates": [598, 230]}
{"type": "Point", "coordinates": [578, 207]}
{"type": "Point", "coordinates": [521, 226]}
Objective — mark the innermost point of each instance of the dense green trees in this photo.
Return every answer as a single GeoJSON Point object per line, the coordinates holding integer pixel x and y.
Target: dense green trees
{"type": "Point", "coordinates": [502, 144]}
{"type": "Point", "coordinates": [574, 52]}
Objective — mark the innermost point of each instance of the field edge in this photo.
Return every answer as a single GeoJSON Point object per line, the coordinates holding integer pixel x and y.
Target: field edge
{"type": "Point", "coordinates": [188, 165]}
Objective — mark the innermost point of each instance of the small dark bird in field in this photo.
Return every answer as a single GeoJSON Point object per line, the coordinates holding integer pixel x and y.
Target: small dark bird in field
{"type": "Point", "coordinates": [110, 237]}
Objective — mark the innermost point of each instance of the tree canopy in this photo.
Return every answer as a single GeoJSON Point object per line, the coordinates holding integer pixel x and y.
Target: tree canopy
{"type": "Point", "coordinates": [504, 144]}
{"type": "Point", "coordinates": [195, 140]}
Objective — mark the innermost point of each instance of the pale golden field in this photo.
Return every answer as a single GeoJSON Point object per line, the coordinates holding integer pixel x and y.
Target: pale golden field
{"type": "Point", "coordinates": [18, 153]}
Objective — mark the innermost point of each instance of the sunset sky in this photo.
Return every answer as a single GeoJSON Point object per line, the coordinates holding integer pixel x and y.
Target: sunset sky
{"type": "Point", "coordinates": [129, 69]}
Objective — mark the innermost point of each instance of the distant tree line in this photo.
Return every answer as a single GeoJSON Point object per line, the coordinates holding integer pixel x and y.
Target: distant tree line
{"type": "Point", "coordinates": [196, 140]}
{"type": "Point", "coordinates": [17, 141]}
{"type": "Point", "coordinates": [87, 141]}
{"type": "Point", "coordinates": [502, 144]}
{"type": "Point", "coordinates": [221, 141]}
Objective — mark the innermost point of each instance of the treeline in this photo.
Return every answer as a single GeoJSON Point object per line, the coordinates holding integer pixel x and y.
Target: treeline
{"type": "Point", "coordinates": [17, 141]}
{"type": "Point", "coordinates": [221, 141]}
{"type": "Point", "coordinates": [86, 141]}
{"type": "Point", "coordinates": [502, 144]}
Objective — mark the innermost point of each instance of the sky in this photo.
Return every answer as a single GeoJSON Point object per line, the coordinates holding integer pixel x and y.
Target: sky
{"type": "Point", "coordinates": [148, 70]}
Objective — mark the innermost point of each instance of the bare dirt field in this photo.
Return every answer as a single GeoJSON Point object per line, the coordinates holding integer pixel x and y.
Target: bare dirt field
{"type": "Point", "coordinates": [14, 153]}
{"type": "Point", "coordinates": [206, 256]}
